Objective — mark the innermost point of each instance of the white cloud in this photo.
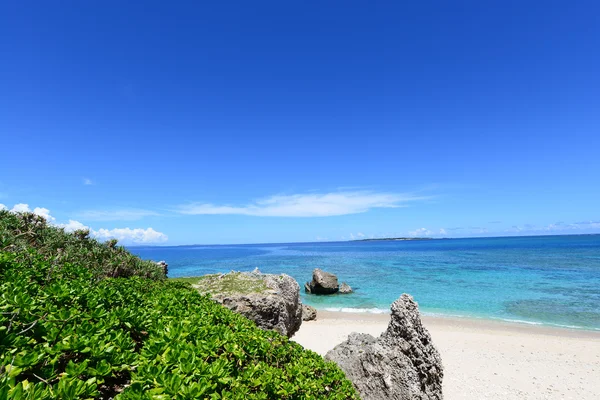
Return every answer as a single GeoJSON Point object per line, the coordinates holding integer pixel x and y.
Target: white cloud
{"type": "Point", "coordinates": [43, 212]}
{"type": "Point", "coordinates": [3, 207]}
{"type": "Point", "coordinates": [132, 214]}
{"type": "Point", "coordinates": [308, 205]}
{"type": "Point", "coordinates": [443, 231]}
{"type": "Point", "coordinates": [360, 235]}
{"type": "Point", "coordinates": [87, 181]}
{"type": "Point", "coordinates": [73, 226]}
{"type": "Point", "coordinates": [125, 235]}
{"type": "Point", "coordinates": [421, 232]}
{"type": "Point", "coordinates": [137, 235]}
{"type": "Point", "coordinates": [21, 208]}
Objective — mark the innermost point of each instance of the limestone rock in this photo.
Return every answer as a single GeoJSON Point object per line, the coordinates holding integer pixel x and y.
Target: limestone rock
{"type": "Point", "coordinates": [307, 287]}
{"type": "Point", "coordinates": [163, 266]}
{"type": "Point", "coordinates": [345, 288]}
{"type": "Point", "coordinates": [271, 301]}
{"type": "Point", "coordinates": [402, 364]}
{"type": "Point", "coordinates": [322, 283]}
{"type": "Point", "coordinates": [308, 313]}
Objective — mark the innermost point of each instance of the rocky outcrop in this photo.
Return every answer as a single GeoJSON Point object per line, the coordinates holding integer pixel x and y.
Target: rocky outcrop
{"type": "Point", "coordinates": [345, 288]}
{"type": "Point", "coordinates": [402, 364]}
{"type": "Point", "coordinates": [325, 283]}
{"type": "Point", "coordinates": [322, 283]}
{"type": "Point", "coordinates": [308, 313]}
{"type": "Point", "coordinates": [163, 266]}
{"type": "Point", "coordinates": [271, 301]}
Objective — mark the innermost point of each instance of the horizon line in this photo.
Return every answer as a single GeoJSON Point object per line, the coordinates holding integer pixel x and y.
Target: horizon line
{"type": "Point", "coordinates": [415, 239]}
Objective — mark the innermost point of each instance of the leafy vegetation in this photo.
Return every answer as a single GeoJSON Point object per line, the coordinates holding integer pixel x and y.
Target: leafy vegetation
{"type": "Point", "coordinates": [66, 334]}
{"type": "Point", "coordinates": [22, 232]}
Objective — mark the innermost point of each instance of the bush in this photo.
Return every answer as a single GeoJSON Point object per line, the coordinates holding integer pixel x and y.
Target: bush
{"type": "Point", "coordinates": [64, 334]}
{"type": "Point", "coordinates": [22, 233]}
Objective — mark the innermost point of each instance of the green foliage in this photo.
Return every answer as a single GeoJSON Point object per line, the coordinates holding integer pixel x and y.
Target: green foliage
{"type": "Point", "coordinates": [24, 233]}
{"type": "Point", "coordinates": [65, 334]}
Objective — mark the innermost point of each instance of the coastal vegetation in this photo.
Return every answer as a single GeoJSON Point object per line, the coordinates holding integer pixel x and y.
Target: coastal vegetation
{"type": "Point", "coordinates": [233, 282]}
{"type": "Point", "coordinates": [84, 319]}
{"type": "Point", "coordinates": [24, 233]}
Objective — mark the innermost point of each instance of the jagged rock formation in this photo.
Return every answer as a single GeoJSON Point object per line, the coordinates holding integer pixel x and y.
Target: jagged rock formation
{"type": "Point", "coordinates": [271, 301]}
{"type": "Point", "coordinates": [345, 288]}
{"type": "Point", "coordinates": [402, 364]}
{"type": "Point", "coordinates": [308, 313]}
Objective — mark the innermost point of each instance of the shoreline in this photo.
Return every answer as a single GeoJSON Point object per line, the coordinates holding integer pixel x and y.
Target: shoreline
{"type": "Point", "coordinates": [466, 321]}
{"type": "Point", "coordinates": [485, 359]}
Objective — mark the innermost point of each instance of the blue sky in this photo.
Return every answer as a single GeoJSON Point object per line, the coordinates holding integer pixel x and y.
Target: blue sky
{"type": "Point", "coordinates": [244, 122]}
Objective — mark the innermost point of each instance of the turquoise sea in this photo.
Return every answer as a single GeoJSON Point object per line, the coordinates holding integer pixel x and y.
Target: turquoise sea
{"type": "Point", "coordinates": [549, 280]}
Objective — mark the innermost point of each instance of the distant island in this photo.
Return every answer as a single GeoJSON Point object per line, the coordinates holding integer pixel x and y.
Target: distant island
{"type": "Point", "coordinates": [397, 238]}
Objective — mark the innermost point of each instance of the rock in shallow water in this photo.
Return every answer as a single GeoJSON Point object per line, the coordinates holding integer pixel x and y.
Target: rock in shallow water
{"type": "Point", "coordinates": [402, 364]}
{"type": "Point", "coordinates": [345, 288]}
{"type": "Point", "coordinates": [322, 283]}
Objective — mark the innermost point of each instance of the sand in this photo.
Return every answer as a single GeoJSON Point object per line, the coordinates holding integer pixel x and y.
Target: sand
{"type": "Point", "coordinates": [486, 359]}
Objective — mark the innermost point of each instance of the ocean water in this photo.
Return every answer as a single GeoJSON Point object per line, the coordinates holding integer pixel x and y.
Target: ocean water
{"type": "Point", "coordinates": [549, 280]}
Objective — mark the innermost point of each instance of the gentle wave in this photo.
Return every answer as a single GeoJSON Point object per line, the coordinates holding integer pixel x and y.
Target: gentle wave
{"type": "Point", "coordinates": [448, 315]}
{"type": "Point", "coordinates": [548, 324]}
{"type": "Point", "coordinates": [518, 321]}
{"type": "Point", "coordinates": [358, 310]}
{"type": "Point", "coordinates": [511, 320]}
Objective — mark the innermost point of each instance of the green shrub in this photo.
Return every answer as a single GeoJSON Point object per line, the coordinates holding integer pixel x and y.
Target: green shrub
{"type": "Point", "coordinates": [21, 233]}
{"type": "Point", "coordinates": [64, 334]}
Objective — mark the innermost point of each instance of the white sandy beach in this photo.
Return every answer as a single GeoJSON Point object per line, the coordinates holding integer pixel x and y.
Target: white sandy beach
{"type": "Point", "coordinates": [486, 359]}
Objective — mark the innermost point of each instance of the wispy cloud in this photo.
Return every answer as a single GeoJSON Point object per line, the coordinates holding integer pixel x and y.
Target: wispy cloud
{"type": "Point", "coordinates": [308, 205]}
{"type": "Point", "coordinates": [420, 232]}
{"type": "Point", "coordinates": [87, 181]}
{"type": "Point", "coordinates": [424, 232]}
{"type": "Point", "coordinates": [557, 228]}
{"type": "Point", "coordinates": [132, 214]}
{"type": "Point", "coordinates": [586, 222]}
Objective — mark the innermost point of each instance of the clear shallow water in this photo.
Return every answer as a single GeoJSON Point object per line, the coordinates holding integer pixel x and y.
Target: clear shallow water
{"type": "Point", "coordinates": [551, 280]}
